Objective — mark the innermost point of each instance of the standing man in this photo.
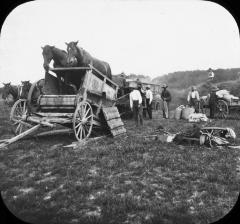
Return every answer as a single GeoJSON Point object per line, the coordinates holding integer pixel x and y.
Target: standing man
{"type": "Point", "coordinates": [143, 95]}
{"type": "Point", "coordinates": [136, 105]}
{"type": "Point", "coordinates": [166, 99]}
{"type": "Point", "coordinates": [193, 99]}
{"type": "Point", "coordinates": [213, 101]}
{"type": "Point", "coordinates": [149, 98]}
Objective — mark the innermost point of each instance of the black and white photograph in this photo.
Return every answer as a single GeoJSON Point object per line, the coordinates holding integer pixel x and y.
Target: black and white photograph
{"type": "Point", "coordinates": [119, 111]}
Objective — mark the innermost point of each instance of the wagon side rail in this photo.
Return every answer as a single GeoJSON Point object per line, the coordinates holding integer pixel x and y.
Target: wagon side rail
{"type": "Point", "coordinates": [104, 76]}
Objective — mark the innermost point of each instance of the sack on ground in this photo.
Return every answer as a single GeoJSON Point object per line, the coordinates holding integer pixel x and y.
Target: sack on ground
{"type": "Point", "coordinates": [178, 112]}
{"type": "Point", "coordinates": [197, 117]}
{"type": "Point", "coordinates": [186, 112]}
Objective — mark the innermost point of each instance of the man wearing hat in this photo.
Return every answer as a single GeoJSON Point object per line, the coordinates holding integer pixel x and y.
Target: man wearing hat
{"type": "Point", "coordinates": [149, 98]}
{"type": "Point", "coordinates": [210, 74]}
{"type": "Point", "coordinates": [166, 98]}
{"type": "Point", "coordinates": [213, 101]}
{"type": "Point", "coordinates": [143, 95]}
{"type": "Point", "coordinates": [136, 105]}
{"type": "Point", "coordinates": [193, 98]}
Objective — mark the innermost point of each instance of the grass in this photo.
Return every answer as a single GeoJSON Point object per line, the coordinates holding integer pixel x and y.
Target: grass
{"type": "Point", "coordinates": [123, 180]}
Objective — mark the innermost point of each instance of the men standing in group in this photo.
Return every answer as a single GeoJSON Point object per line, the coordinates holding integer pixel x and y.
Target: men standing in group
{"type": "Point", "coordinates": [166, 99]}
{"type": "Point", "coordinates": [193, 99]}
{"type": "Point", "coordinates": [136, 105]}
{"type": "Point", "coordinates": [149, 98]}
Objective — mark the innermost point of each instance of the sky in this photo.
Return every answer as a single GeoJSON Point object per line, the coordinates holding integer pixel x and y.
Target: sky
{"type": "Point", "coordinates": [151, 38]}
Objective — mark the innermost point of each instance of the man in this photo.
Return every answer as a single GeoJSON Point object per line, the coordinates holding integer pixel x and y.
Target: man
{"type": "Point", "coordinates": [136, 105]}
{"type": "Point", "coordinates": [143, 95]}
{"type": "Point", "coordinates": [149, 98]}
{"type": "Point", "coordinates": [193, 99]}
{"type": "Point", "coordinates": [166, 99]}
{"type": "Point", "coordinates": [210, 74]}
{"type": "Point", "coordinates": [213, 101]}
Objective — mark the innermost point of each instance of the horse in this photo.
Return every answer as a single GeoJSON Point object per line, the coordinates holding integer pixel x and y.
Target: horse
{"type": "Point", "coordinates": [84, 59]}
{"type": "Point", "coordinates": [10, 93]}
{"type": "Point", "coordinates": [60, 59]}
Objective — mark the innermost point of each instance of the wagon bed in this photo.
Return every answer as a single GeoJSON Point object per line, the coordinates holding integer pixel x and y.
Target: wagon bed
{"type": "Point", "coordinates": [84, 110]}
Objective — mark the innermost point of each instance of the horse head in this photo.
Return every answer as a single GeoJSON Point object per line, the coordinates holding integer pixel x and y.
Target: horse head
{"type": "Point", "coordinates": [47, 56]}
{"type": "Point", "coordinates": [6, 89]}
{"type": "Point", "coordinates": [74, 53]}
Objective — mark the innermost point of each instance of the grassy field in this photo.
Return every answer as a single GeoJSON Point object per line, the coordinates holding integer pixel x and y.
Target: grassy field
{"type": "Point", "coordinates": [124, 180]}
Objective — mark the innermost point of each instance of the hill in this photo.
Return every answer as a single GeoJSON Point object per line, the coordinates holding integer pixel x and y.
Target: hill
{"type": "Point", "coordinates": [185, 79]}
{"type": "Point", "coordinates": [180, 82]}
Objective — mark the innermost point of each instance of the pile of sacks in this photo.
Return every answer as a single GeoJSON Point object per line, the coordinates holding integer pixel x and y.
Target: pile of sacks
{"type": "Point", "coordinates": [188, 113]}
{"type": "Point", "coordinates": [225, 94]}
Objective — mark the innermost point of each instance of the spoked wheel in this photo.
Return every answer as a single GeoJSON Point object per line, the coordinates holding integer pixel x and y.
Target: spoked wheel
{"type": "Point", "coordinates": [222, 109]}
{"type": "Point", "coordinates": [83, 121]}
{"type": "Point", "coordinates": [17, 115]}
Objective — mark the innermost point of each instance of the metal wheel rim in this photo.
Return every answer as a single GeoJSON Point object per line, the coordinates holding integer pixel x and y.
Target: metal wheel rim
{"type": "Point", "coordinates": [83, 121]}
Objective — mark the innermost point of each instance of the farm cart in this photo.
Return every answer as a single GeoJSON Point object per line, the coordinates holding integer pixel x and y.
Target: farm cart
{"type": "Point", "coordinates": [225, 109]}
{"type": "Point", "coordinates": [91, 107]}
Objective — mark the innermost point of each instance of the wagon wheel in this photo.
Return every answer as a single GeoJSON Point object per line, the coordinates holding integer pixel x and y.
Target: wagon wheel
{"type": "Point", "coordinates": [17, 114]}
{"type": "Point", "coordinates": [222, 109]}
{"type": "Point", "coordinates": [83, 121]}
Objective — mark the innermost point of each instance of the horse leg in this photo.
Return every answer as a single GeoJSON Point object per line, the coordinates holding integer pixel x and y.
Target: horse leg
{"type": "Point", "coordinates": [59, 84]}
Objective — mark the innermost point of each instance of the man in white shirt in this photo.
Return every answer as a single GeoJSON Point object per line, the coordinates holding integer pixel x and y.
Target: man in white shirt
{"type": "Point", "coordinates": [149, 98]}
{"type": "Point", "coordinates": [136, 105]}
{"type": "Point", "coordinates": [193, 98]}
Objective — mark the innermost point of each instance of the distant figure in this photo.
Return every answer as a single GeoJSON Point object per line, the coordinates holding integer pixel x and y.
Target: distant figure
{"type": "Point", "coordinates": [149, 98]}
{"type": "Point", "coordinates": [193, 98]}
{"type": "Point", "coordinates": [213, 101]}
{"type": "Point", "coordinates": [210, 74]}
{"type": "Point", "coordinates": [166, 99]}
{"type": "Point", "coordinates": [136, 105]}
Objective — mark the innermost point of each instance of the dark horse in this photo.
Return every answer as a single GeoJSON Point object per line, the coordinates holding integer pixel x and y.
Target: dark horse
{"type": "Point", "coordinates": [10, 93]}
{"type": "Point", "coordinates": [84, 59]}
{"type": "Point", "coordinates": [60, 59]}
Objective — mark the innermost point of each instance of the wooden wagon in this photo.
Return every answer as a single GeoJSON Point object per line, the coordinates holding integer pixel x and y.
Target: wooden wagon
{"type": "Point", "coordinates": [224, 109]}
{"type": "Point", "coordinates": [90, 107]}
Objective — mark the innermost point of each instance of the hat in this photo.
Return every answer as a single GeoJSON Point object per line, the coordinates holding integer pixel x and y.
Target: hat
{"type": "Point", "coordinates": [148, 87]}
{"type": "Point", "coordinates": [215, 88]}
{"type": "Point", "coordinates": [209, 69]}
{"type": "Point", "coordinates": [164, 86]}
{"type": "Point", "coordinates": [194, 87]}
